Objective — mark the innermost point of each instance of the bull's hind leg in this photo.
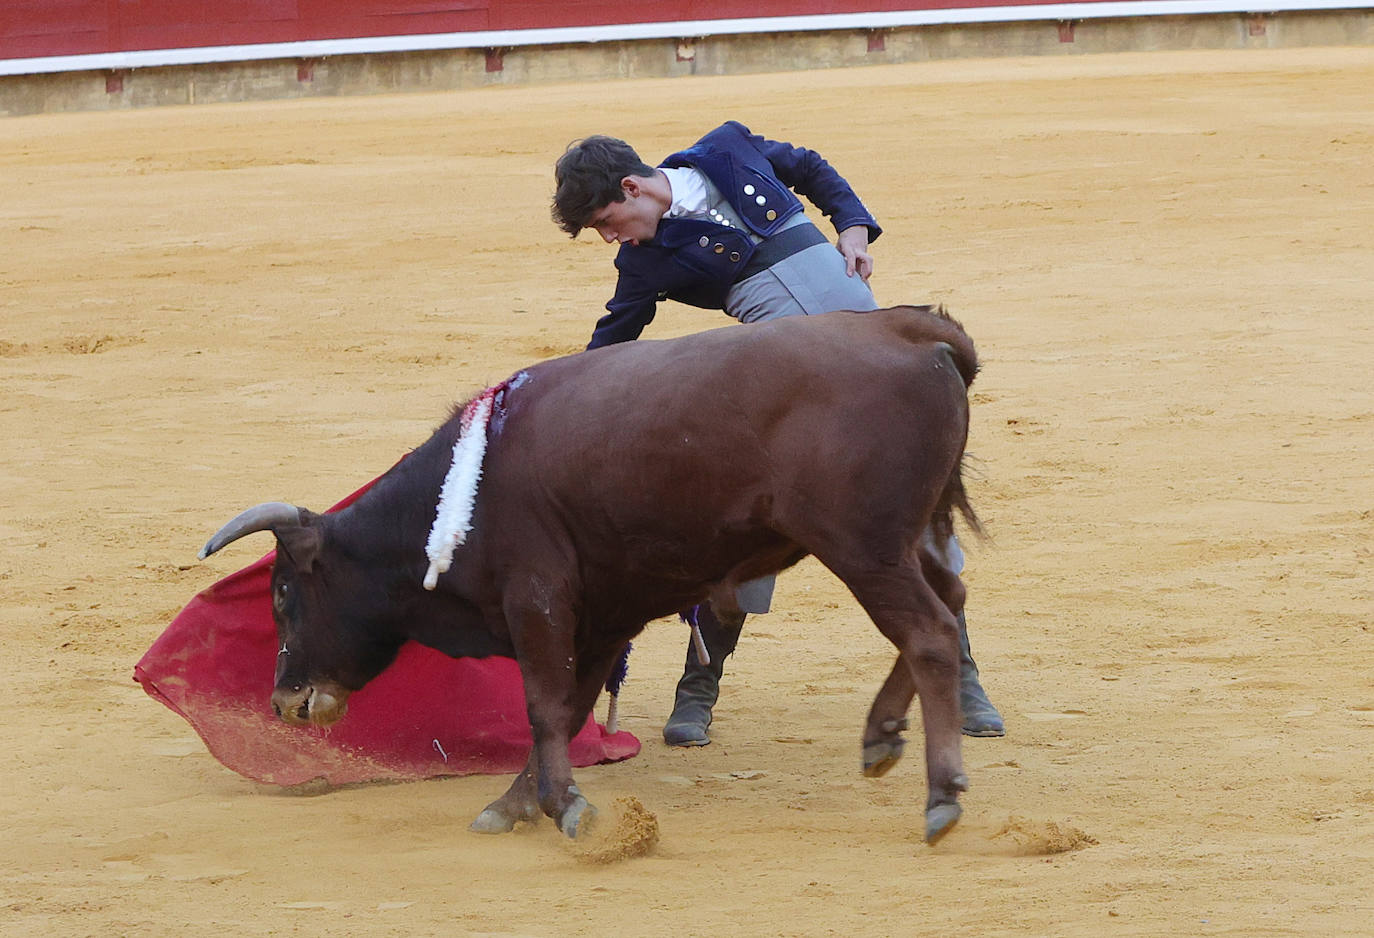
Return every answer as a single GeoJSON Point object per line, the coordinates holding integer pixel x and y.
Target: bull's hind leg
{"type": "Point", "coordinates": [883, 743]}
{"type": "Point", "coordinates": [913, 617]}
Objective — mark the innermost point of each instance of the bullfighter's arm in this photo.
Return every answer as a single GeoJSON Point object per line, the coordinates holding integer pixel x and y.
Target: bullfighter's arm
{"type": "Point", "coordinates": [807, 173]}
{"type": "Point", "coordinates": [629, 311]}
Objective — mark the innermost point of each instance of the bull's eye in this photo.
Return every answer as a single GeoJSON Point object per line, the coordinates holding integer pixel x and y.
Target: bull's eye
{"type": "Point", "coordinates": [279, 596]}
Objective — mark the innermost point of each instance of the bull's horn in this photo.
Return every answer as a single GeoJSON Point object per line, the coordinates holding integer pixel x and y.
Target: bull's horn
{"type": "Point", "coordinates": [264, 517]}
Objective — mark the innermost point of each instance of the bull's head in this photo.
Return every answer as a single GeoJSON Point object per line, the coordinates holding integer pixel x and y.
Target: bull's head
{"type": "Point", "coordinates": [330, 629]}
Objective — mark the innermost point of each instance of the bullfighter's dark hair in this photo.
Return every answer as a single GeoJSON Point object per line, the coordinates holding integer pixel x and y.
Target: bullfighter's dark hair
{"type": "Point", "coordinates": [588, 176]}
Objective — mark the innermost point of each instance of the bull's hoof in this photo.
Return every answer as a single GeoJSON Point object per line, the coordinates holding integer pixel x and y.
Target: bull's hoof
{"type": "Point", "coordinates": [577, 817]}
{"type": "Point", "coordinates": [940, 820]}
{"type": "Point", "coordinates": [881, 756]}
{"type": "Point", "coordinates": [492, 821]}
{"type": "Point", "coordinates": [886, 751]}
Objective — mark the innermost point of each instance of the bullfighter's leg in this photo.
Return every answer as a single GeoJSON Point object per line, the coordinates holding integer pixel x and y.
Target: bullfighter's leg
{"type": "Point", "coordinates": [981, 718]}
{"type": "Point", "coordinates": [942, 563]}
{"type": "Point", "coordinates": [699, 687]}
{"type": "Point", "coordinates": [915, 619]}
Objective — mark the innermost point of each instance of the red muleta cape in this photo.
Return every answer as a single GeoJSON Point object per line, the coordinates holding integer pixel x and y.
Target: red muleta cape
{"type": "Point", "coordinates": [425, 715]}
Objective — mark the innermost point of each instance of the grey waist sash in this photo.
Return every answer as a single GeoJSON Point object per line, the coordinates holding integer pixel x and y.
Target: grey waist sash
{"type": "Point", "coordinates": [782, 245]}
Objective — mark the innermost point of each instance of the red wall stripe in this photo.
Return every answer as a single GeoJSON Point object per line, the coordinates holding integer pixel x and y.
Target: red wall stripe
{"type": "Point", "coordinates": [33, 28]}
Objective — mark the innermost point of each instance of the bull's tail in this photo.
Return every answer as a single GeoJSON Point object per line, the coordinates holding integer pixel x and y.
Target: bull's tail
{"type": "Point", "coordinates": [954, 496]}
{"type": "Point", "coordinates": [958, 348]}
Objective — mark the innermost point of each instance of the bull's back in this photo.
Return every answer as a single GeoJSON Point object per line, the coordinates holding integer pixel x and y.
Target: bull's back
{"type": "Point", "coordinates": [692, 371]}
{"type": "Point", "coordinates": [654, 419]}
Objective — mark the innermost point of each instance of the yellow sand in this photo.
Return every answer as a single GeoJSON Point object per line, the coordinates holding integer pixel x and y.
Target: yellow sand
{"type": "Point", "coordinates": [1167, 261]}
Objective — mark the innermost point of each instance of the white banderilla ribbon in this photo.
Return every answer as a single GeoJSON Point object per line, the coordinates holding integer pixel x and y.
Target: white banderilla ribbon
{"type": "Point", "coordinates": [458, 497]}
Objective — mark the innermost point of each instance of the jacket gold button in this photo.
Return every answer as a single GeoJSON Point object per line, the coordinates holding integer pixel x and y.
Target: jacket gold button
{"type": "Point", "coordinates": [734, 257]}
{"type": "Point", "coordinates": [719, 248]}
{"type": "Point", "coordinates": [772, 215]}
{"type": "Point", "coordinates": [704, 241]}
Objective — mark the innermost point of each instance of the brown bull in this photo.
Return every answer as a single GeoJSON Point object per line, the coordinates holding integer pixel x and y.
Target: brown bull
{"type": "Point", "coordinates": [623, 484]}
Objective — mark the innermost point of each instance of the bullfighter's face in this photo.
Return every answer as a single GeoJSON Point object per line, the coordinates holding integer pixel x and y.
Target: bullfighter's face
{"type": "Point", "coordinates": [632, 220]}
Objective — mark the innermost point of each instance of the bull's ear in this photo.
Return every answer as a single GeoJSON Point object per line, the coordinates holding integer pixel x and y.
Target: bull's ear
{"type": "Point", "coordinates": [302, 544]}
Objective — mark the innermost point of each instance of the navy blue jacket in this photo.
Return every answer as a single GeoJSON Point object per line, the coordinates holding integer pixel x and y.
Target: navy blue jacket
{"type": "Point", "coordinates": [695, 261]}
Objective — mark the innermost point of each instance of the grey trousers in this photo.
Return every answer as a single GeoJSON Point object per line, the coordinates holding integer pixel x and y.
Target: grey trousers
{"type": "Point", "coordinates": [807, 283]}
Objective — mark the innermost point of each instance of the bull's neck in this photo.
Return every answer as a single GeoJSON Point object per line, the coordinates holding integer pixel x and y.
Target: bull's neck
{"type": "Point", "coordinates": [386, 530]}
{"type": "Point", "coordinates": [390, 522]}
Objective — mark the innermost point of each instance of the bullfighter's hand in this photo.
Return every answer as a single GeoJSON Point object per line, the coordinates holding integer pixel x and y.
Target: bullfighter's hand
{"type": "Point", "coordinates": [853, 244]}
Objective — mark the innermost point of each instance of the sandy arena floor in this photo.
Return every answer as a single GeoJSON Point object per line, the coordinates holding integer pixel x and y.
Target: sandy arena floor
{"type": "Point", "coordinates": [1167, 263]}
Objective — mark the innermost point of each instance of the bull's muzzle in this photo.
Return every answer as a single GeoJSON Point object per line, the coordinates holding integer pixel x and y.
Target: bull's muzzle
{"type": "Point", "coordinates": [317, 704]}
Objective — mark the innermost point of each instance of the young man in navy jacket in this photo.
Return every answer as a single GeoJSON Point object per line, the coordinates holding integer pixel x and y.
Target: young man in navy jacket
{"type": "Point", "coordinates": [719, 226]}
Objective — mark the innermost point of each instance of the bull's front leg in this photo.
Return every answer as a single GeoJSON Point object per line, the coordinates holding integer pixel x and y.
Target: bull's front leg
{"type": "Point", "coordinates": [560, 691]}
{"type": "Point", "coordinates": [544, 644]}
{"type": "Point", "coordinates": [558, 794]}
{"type": "Point", "coordinates": [519, 803]}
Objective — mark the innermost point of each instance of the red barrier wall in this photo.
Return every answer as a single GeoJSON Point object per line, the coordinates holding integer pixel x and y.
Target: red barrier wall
{"type": "Point", "coordinates": [31, 28]}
